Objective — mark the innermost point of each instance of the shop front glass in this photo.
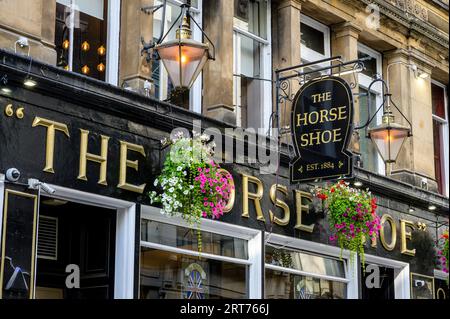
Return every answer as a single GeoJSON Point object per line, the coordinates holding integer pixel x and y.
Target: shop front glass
{"type": "Point", "coordinates": [173, 268]}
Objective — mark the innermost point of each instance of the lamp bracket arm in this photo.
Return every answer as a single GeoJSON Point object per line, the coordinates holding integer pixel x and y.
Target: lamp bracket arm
{"type": "Point", "coordinates": [147, 46]}
{"type": "Point", "coordinates": [403, 115]}
{"type": "Point", "coordinates": [370, 119]}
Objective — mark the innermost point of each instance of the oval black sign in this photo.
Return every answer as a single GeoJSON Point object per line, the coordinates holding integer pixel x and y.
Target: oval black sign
{"type": "Point", "coordinates": [321, 124]}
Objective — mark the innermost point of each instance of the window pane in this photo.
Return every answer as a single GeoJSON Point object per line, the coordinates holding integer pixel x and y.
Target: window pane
{"type": "Point", "coordinates": [305, 262]}
{"type": "Point", "coordinates": [438, 97]}
{"type": "Point", "coordinates": [166, 275]}
{"type": "Point", "coordinates": [370, 65]}
{"type": "Point", "coordinates": [437, 139]}
{"type": "Point", "coordinates": [369, 153]}
{"type": "Point", "coordinates": [251, 16]}
{"type": "Point", "coordinates": [312, 38]}
{"type": "Point", "coordinates": [282, 285]}
{"type": "Point", "coordinates": [89, 45]}
{"type": "Point", "coordinates": [186, 238]}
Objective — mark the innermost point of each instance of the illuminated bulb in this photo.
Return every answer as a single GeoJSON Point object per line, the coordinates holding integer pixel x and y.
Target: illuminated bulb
{"type": "Point", "coordinates": [66, 68]}
{"type": "Point", "coordinates": [85, 46]}
{"type": "Point", "coordinates": [358, 184]}
{"type": "Point", "coordinates": [432, 207]}
{"type": "Point", "coordinates": [423, 75]}
{"type": "Point", "coordinates": [85, 69]}
{"type": "Point", "coordinates": [101, 67]}
{"type": "Point", "coordinates": [6, 90]}
{"type": "Point", "coordinates": [411, 210]}
{"type": "Point", "coordinates": [101, 51]}
{"type": "Point", "coordinates": [65, 44]}
{"type": "Point", "coordinates": [183, 59]}
{"type": "Point", "coordinates": [29, 83]}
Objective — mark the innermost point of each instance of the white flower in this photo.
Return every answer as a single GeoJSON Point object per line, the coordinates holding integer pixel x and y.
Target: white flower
{"type": "Point", "coordinates": [186, 192]}
{"type": "Point", "coordinates": [171, 190]}
{"type": "Point", "coordinates": [156, 182]}
{"type": "Point", "coordinates": [179, 168]}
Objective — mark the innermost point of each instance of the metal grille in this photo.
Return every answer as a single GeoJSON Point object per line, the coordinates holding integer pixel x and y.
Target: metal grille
{"type": "Point", "coordinates": [48, 238]}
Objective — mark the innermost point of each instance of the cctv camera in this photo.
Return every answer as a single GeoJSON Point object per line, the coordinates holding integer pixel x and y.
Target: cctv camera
{"type": "Point", "coordinates": [419, 283]}
{"type": "Point", "coordinates": [47, 188]}
{"type": "Point", "coordinates": [13, 174]}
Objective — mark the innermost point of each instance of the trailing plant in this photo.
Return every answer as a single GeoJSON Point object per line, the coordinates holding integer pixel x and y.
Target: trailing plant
{"type": "Point", "coordinates": [443, 251]}
{"type": "Point", "coordinates": [191, 183]}
{"type": "Point", "coordinates": [352, 216]}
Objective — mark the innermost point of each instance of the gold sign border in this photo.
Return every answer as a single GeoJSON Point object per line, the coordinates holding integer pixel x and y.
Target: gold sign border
{"type": "Point", "coordinates": [33, 252]}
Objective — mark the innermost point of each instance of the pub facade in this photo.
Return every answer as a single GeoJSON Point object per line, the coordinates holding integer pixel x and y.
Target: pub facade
{"type": "Point", "coordinates": [84, 107]}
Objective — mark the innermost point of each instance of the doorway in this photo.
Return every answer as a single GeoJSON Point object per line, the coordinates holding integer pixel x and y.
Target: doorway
{"type": "Point", "coordinates": [80, 235]}
{"type": "Point", "coordinates": [386, 290]}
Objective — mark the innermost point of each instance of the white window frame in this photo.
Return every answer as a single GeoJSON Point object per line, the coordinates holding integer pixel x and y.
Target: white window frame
{"type": "Point", "coordinates": [351, 269]}
{"type": "Point", "coordinates": [377, 89]}
{"type": "Point", "coordinates": [265, 92]}
{"type": "Point", "coordinates": [195, 96]}
{"type": "Point", "coordinates": [309, 55]}
{"type": "Point", "coordinates": [254, 238]}
{"type": "Point", "coordinates": [113, 40]}
{"type": "Point", "coordinates": [445, 138]}
{"type": "Point", "coordinates": [402, 282]}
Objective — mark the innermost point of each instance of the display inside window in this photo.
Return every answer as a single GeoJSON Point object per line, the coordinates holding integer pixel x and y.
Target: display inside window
{"type": "Point", "coordinates": [312, 38]}
{"type": "Point", "coordinates": [422, 287]}
{"type": "Point", "coordinates": [283, 283]}
{"type": "Point", "coordinates": [81, 36]}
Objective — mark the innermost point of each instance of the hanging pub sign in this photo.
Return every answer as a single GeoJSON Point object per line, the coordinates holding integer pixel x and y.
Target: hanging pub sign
{"type": "Point", "coordinates": [322, 118]}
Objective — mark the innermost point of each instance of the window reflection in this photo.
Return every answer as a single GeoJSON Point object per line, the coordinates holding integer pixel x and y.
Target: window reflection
{"type": "Point", "coordinates": [166, 275]}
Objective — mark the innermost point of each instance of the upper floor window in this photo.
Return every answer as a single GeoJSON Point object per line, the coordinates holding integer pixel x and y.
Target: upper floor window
{"type": "Point", "coordinates": [315, 40]}
{"type": "Point", "coordinates": [440, 135]}
{"type": "Point", "coordinates": [370, 158]}
{"type": "Point", "coordinates": [160, 77]}
{"type": "Point", "coordinates": [252, 97]}
{"type": "Point", "coordinates": [86, 37]}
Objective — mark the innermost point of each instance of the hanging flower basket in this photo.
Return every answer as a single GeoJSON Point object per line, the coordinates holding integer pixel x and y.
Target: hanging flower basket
{"type": "Point", "coordinates": [352, 216]}
{"type": "Point", "coordinates": [443, 251]}
{"type": "Point", "coordinates": [192, 185]}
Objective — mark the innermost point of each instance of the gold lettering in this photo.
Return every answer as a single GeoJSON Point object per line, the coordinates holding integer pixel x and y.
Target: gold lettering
{"type": "Point", "coordinates": [256, 197]}
{"type": "Point", "coordinates": [337, 135]}
{"type": "Point", "coordinates": [390, 220]}
{"type": "Point", "coordinates": [125, 163]}
{"type": "Point", "coordinates": [52, 127]}
{"type": "Point", "coordinates": [333, 115]}
{"type": "Point", "coordinates": [279, 203]}
{"type": "Point", "coordinates": [321, 97]}
{"type": "Point", "coordinates": [323, 116]}
{"type": "Point", "coordinates": [341, 112]}
{"type": "Point", "coordinates": [406, 235]}
{"type": "Point", "coordinates": [232, 197]}
{"type": "Point", "coordinates": [102, 159]}
{"type": "Point", "coordinates": [300, 208]}
{"type": "Point", "coordinates": [301, 118]}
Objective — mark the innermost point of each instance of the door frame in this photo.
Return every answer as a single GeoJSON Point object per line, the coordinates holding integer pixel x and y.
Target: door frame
{"type": "Point", "coordinates": [402, 282]}
{"type": "Point", "coordinates": [125, 234]}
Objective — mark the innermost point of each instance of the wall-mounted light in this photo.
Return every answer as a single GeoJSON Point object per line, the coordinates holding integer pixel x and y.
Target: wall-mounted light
{"type": "Point", "coordinates": [101, 51]}
{"type": "Point", "coordinates": [85, 46]}
{"type": "Point", "coordinates": [411, 210]}
{"type": "Point", "coordinates": [358, 184]}
{"type": "Point", "coordinates": [66, 44]}
{"type": "Point", "coordinates": [101, 67]}
{"type": "Point", "coordinates": [85, 69]}
{"type": "Point", "coordinates": [432, 207]}
{"type": "Point", "coordinates": [29, 82]}
{"type": "Point", "coordinates": [3, 82]}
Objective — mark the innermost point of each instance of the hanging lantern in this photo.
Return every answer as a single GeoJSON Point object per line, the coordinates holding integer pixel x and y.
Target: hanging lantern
{"type": "Point", "coordinates": [85, 69]}
{"type": "Point", "coordinates": [101, 67]}
{"type": "Point", "coordinates": [85, 46]}
{"type": "Point", "coordinates": [101, 51]}
{"type": "Point", "coordinates": [183, 58]}
{"type": "Point", "coordinates": [389, 137]}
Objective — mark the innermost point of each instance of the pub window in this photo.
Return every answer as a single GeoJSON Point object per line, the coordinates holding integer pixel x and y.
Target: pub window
{"type": "Point", "coordinates": [161, 80]}
{"type": "Point", "coordinates": [314, 41]}
{"type": "Point", "coordinates": [440, 135]}
{"type": "Point", "coordinates": [370, 159]}
{"type": "Point", "coordinates": [171, 267]}
{"type": "Point", "coordinates": [295, 274]}
{"type": "Point", "coordinates": [86, 37]}
{"type": "Point", "coordinates": [252, 97]}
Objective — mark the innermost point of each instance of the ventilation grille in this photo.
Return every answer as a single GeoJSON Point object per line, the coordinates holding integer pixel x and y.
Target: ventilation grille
{"type": "Point", "coordinates": [48, 238]}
